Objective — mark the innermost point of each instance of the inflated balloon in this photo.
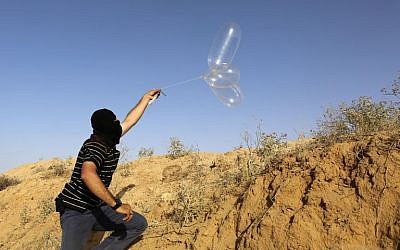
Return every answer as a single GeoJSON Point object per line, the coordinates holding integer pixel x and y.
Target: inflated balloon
{"type": "Point", "coordinates": [222, 77]}
{"type": "Point", "coordinates": [224, 47]}
{"type": "Point", "coordinates": [230, 96]}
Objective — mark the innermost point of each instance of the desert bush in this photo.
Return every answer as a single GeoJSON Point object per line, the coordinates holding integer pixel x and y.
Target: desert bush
{"type": "Point", "coordinates": [394, 91]}
{"type": "Point", "coordinates": [177, 149]}
{"type": "Point", "coordinates": [188, 206]}
{"type": "Point", "coordinates": [6, 181]}
{"type": "Point", "coordinates": [46, 207]}
{"type": "Point", "coordinates": [197, 169]}
{"type": "Point", "coordinates": [58, 169]}
{"type": "Point", "coordinates": [70, 161]}
{"type": "Point", "coordinates": [145, 152]}
{"type": "Point", "coordinates": [251, 159]}
{"type": "Point", "coordinates": [300, 151]}
{"type": "Point", "coordinates": [234, 176]}
{"type": "Point", "coordinates": [195, 159]}
{"type": "Point", "coordinates": [260, 147]}
{"type": "Point", "coordinates": [125, 169]}
{"type": "Point", "coordinates": [48, 241]}
{"type": "Point", "coordinates": [25, 215]}
{"type": "Point", "coordinates": [123, 153]}
{"type": "Point", "coordinates": [270, 144]}
{"type": "Point", "coordinates": [38, 169]}
{"type": "Point", "coordinates": [362, 117]}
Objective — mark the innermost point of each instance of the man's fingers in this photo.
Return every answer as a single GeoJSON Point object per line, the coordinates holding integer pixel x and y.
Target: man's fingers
{"type": "Point", "coordinates": [127, 211]}
{"type": "Point", "coordinates": [130, 216]}
{"type": "Point", "coordinates": [126, 217]}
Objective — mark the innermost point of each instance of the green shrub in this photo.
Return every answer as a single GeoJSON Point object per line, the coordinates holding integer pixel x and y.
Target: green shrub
{"type": "Point", "coordinates": [6, 181]}
{"type": "Point", "coordinates": [261, 146]}
{"type": "Point", "coordinates": [145, 152]}
{"type": "Point", "coordinates": [270, 144]}
{"type": "Point", "coordinates": [177, 149]}
{"type": "Point", "coordinates": [362, 117]}
{"type": "Point", "coordinates": [188, 206]}
{"type": "Point", "coordinates": [394, 91]}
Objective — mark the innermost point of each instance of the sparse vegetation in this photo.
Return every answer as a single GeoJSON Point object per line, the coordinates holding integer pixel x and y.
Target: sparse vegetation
{"type": "Point", "coordinates": [48, 241]}
{"type": "Point", "coordinates": [58, 169]}
{"type": "Point", "coordinates": [38, 169]}
{"type": "Point", "coordinates": [394, 91]}
{"type": "Point", "coordinates": [214, 200]}
{"type": "Point", "coordinates": [46, 207]}
{"type": "Point", "coordinates": [25, 215]}
{"type": "Point", "coordinates": [362, 117]}
{"type": "Point", "coordinates": [125, 169]}
{"type": "Point", "coordinates": [70, 161]}
{"type": "Point", "coordinates": [145, 152]}
{"type": "Point", "coordinates": [176, 149]}
{"type": "Point", "coordinates": [6, 181]}
{"type": "Point", "coordinates": [261, 147]}
{"type": "Point", "coordinates": [188, 206]}
{"type": "Point", "coordinates": [124, 166]}
{"type": "Point", "coordinates": [195, 159]}
{"type": "Point", "coordinates": [123, 153]}
{"type": "Point", "coordinates": [270, 144]}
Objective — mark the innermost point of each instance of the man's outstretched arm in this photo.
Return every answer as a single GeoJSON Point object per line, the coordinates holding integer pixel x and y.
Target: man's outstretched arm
{"type": "Point", "coordinates": [136, 113]}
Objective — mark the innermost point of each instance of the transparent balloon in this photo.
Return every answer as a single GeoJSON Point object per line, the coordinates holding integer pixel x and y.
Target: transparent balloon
{"type": "Point", "coordinates": [222, 77]}
{"type": "Point", "coordinates": [224, 47]}
{"type": "Point", "coordinates": [230, 96]}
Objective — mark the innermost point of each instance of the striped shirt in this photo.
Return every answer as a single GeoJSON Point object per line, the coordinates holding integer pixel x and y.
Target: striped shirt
{"type": "Point", "coordinates": [75, 194]}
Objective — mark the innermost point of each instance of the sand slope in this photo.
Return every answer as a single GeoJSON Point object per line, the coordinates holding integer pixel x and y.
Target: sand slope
{"type": "Point", "coordinates": [345, 196]}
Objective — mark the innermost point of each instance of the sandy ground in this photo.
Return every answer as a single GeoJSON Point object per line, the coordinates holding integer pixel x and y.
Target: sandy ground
{"type": "Point", "coordinates": [344, 196]}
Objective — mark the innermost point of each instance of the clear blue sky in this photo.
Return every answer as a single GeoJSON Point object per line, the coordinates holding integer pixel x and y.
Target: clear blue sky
{"type": "Point", "coordinates": [61, 60]}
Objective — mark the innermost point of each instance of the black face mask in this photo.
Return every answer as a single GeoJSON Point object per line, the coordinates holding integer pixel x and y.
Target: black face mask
{"type": "Point", "coordinates": [106, 126]}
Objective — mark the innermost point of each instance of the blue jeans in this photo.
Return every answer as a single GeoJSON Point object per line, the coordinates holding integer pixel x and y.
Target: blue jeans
{"type": "Point", "coordinates": [76, 228]}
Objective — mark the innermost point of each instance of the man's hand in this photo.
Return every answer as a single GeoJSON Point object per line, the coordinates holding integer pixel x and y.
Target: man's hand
{"type": "Point", "coordinates": [126, 210]}
{"type": "Point", "coordinates": [151, 94]}
{"type": "Point", "coordinates": [136, 113]}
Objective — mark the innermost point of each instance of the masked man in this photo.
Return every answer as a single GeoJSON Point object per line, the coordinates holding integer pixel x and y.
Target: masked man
{"type": "Point", "coordinates": [85, 203]}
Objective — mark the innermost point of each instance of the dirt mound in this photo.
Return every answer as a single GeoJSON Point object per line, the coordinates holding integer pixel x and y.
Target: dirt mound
{"type": "Point", "coordinates": [343, 196]}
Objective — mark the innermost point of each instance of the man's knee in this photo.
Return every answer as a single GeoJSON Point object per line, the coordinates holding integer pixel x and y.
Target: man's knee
{"type": "Point", "coordinates": [141, 222]}
{"type": "Point", "coordinates": [138, 223]}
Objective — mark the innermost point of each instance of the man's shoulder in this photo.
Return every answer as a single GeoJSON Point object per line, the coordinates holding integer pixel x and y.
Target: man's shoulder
{"type": "Point", "coordinates": [95, 145]}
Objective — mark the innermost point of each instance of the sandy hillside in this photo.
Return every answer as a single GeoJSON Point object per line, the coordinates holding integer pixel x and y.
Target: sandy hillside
{"type": "Point", "coordinates": [343, 196]}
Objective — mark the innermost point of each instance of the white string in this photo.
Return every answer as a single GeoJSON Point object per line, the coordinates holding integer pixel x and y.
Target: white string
{"type": "Point", "coordinates": [174, 85]}
{"type": "Point", "coordinates": [180, 83]}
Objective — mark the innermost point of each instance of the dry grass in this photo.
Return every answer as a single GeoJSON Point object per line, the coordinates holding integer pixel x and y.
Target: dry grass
{"type": "Point", "coordinates": [6, 181]}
